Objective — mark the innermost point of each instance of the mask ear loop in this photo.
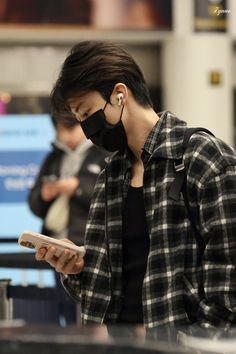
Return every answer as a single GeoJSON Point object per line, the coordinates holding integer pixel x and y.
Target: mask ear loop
{"type": "Point", "coordinates": [121, 113]}
{"type": "Point", "coordinates": [102, 134]}
{"type": "Point", "coordinates": [105, 106]}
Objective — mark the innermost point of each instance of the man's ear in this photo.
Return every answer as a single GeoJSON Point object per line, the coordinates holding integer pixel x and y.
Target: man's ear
{"type": "Point", "coordinates": [119, 94]}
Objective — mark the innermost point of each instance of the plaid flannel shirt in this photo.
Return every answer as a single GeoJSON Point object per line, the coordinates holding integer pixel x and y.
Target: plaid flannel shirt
{"type": "Point", "coordinates": [181, 285]}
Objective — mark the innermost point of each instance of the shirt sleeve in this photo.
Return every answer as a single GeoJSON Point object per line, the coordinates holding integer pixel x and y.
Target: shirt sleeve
{"type": "Point", "coordinates": [217, 212]}
{"type": "Point", "coordinates": [71, 284]}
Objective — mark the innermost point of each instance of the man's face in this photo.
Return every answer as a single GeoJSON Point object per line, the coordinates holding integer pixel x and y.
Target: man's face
{"type": "Point", "coordinates": [84, 106]}
{"type": "Point", "coordinates": [71, 137]}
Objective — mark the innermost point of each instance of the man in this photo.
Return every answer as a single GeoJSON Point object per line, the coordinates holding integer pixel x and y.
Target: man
{"type": "Point", "coordinates": [143, 263]}
{"type": "Point", "coordinates": [63, 189]}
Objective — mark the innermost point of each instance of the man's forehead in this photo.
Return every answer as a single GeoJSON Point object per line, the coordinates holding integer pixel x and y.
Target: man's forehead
{"type": "Point", "coordinates": [75, 100]}
{"type": "Point", "coordinates": [82, 98]}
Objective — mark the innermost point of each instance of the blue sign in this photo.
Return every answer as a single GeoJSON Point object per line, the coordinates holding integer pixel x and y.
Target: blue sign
{"type": "Point", "coordinates": [18, 170]}
{"type": "Point", "coordinates": [24, 142]}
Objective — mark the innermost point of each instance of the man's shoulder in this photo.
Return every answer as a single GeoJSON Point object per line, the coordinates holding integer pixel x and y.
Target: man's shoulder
{"type": "Point", "coordinates": [211, 147]}
{"type": "Point", "coordinates": [208, 155]}
{"type": "Point", "coordinates": [54, 154]}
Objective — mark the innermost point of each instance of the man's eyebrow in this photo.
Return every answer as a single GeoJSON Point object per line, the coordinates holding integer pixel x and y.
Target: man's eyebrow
{"type": "Point", "coordinates": [77, 106]}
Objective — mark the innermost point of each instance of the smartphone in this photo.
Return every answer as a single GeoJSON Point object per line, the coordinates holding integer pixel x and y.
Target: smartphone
{"type": "Point", "coordinates": [34, 240]}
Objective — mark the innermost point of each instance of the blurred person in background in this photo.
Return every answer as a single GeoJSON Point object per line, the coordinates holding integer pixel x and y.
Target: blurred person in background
{"type": "Point", "coordinates": [144, 263]}
{"type": "Point", "coordinates": [63, 189]}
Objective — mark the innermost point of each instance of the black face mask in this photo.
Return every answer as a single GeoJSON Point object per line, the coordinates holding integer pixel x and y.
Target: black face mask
{"type": "Point", "coordinates": [111, 137]}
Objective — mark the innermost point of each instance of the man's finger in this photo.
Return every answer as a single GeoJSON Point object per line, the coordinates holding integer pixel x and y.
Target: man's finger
{"type": "Point", "coordinates": [39, 256]}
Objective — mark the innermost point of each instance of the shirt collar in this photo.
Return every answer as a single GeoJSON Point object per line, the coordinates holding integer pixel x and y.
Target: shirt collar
{"type": "Point", "coordinates": [166, 138]}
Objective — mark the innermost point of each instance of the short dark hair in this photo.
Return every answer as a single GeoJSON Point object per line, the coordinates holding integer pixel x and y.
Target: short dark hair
{"type": "Point", "coordinates": [98, 66]}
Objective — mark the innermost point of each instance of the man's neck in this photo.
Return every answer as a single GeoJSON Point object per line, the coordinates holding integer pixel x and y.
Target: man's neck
{"type": "Point", "coordinates": [139, 131]}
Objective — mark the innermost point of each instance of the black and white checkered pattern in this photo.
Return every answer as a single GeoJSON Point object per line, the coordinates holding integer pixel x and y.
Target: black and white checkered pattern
{"type": "Point", "coordinates": [178, 279]}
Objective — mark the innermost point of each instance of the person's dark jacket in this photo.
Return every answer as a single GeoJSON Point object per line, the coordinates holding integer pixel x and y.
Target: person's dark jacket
{"type": "Point", "coordinates": [92, 164]}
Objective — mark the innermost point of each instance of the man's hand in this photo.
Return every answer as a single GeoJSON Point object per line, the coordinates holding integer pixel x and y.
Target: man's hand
{"type": "Point", "coordinates": [49, 191]}
{"type": "Point", "coordinates": [64, 264]}
{"type": "Point", "coordinates": [67, 186]}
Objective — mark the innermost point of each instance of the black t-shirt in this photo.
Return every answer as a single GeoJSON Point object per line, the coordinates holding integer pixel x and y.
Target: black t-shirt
{"type": "Point", "coordinates": [135, 252]}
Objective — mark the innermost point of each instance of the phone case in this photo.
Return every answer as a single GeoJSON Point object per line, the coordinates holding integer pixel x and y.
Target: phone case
{"type": "Point", "coordinates": [35, 240]}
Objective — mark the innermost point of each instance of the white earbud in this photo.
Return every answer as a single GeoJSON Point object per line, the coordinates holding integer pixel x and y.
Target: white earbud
{"type": "Point", "coordinates": [120, 97]}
